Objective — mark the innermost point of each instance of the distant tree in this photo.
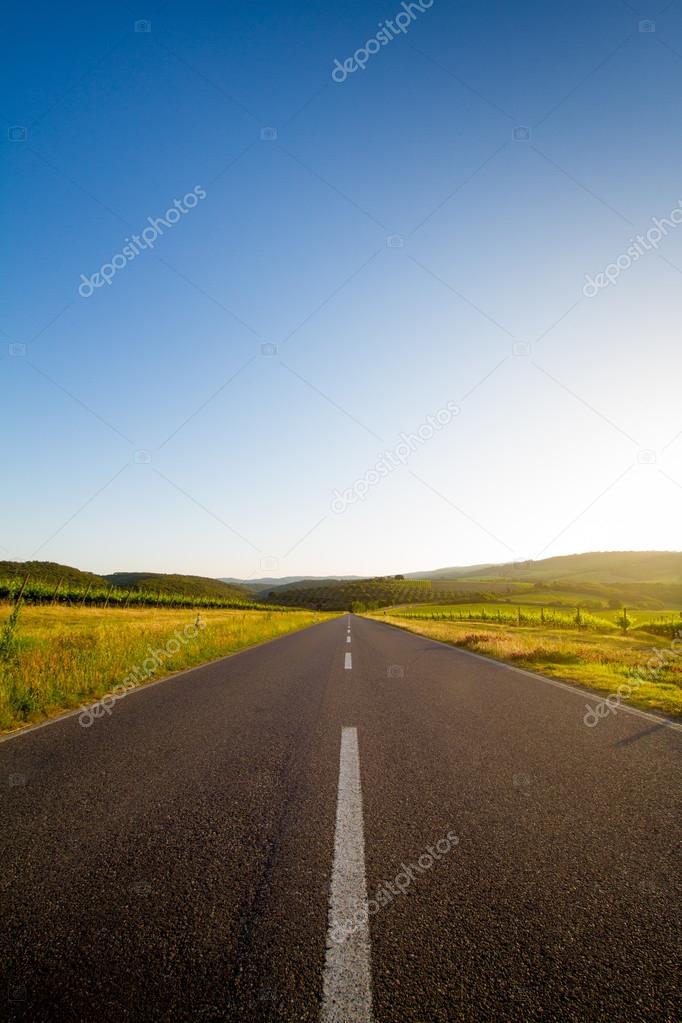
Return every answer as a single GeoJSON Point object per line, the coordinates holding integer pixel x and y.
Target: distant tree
{"type": "Point", "coordinates": [622, 621]}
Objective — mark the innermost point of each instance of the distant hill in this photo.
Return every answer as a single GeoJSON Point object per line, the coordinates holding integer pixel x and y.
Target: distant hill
{"type": "Point", "coordinates": [187, 585]}
{"type": "Point", "coordinates": [450, 573]}
{"type": "Point", "coordinates": [599, 566]}
{"type": "Point", "coordinates": [636, 579]}
{"type": "Point", "coordinates": [644, 579]}
{"type": "Point", "coordinates": [288, 580]}
{"type": "Point", "coordinates": [606, 567]}
{"type": "Point", "coordinates": [49, 572]}
{"type": "Point", "coordinates": [349, 594]}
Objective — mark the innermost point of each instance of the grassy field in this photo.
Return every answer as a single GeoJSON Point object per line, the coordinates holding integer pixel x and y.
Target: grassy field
{"type": "Point", "coordinates": [60, 657]}
{"type": "Point", "coordinates": [646, 664]}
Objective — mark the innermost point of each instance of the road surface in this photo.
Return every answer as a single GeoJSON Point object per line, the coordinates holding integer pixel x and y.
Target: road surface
{"type": "Point", "coordinates": [207, 851]}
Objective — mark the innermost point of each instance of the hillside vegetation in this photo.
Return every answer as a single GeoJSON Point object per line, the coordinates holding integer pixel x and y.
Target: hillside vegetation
{"type": "Point", "coordinates": [44, 582]}
{"type": "Point", "coordinates": [49, 572]}
{"type": "Point", "coordinates": [607, 567]}
{"type": "Point", "coordinates": [640, 579]}
{"type": "Point", "coordinates": [647, 580]}
{"type": "Point", "coordinates": [349, 595]}
{"type": "Point", "coordinates": [188, 585]}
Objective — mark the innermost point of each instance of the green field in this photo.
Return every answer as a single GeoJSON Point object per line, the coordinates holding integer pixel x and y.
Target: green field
{"type": "Point", "coordinates": [59, 657]}
{"type": "Point", "coordinates": [535, 613]}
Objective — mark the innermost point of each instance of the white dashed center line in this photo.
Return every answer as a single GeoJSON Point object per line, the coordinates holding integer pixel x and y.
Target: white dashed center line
{"type": "Point", "coordinates": [347, 639]}
{"type": "Point", "coordinates": [348, 663]}
{"type": "Point", "coordinates": [347, 980]}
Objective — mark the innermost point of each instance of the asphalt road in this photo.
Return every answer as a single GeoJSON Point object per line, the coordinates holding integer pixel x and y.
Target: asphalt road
{"type": "Point", "coordinates": [177, 860]}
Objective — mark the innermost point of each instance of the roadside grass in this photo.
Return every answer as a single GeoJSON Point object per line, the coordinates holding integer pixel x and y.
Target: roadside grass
{"type": "Point", "coordinates": [602, 661]}
{"type": "Point", "coordinates": [59, 657]}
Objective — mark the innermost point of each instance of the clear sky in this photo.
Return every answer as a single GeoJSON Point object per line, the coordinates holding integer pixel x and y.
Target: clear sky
{"type": "Point", "coordinates": [410, 240]}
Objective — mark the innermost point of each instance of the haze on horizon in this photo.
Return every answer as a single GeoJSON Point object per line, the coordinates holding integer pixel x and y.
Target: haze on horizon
{"type": "Point", "coordinates": [405, 248]}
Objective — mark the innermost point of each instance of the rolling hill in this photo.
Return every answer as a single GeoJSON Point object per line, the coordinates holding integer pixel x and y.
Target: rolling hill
{"type": "Point", "coordinates": [187, 585]}
{"type": "Point", "coordinates": [605, 567]}
{"type": "Point", "coordinates": [643, 579]}
{"type": "Point", "coordinates": [287, 580]}
{"type": "Point", "coordinates": [603, 579]}
{"type": "Point", "coordinates": [49, 572]}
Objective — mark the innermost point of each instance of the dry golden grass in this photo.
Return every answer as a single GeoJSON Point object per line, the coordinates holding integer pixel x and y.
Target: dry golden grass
{"type": "Point", "coordinates": [67, 656]}
{"type": "Point", "coordinates": [602, 662]}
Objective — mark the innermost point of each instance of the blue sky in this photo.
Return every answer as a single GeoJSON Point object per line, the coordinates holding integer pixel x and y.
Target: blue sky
{"type": "Point", "coordinates": [415, 235]}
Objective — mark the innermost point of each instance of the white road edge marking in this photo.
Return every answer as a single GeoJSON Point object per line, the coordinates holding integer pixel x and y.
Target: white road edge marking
{"type": "Point", "coordinates": [347, 979]}
{"type": "Point", "coordinates": [348, 663]}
